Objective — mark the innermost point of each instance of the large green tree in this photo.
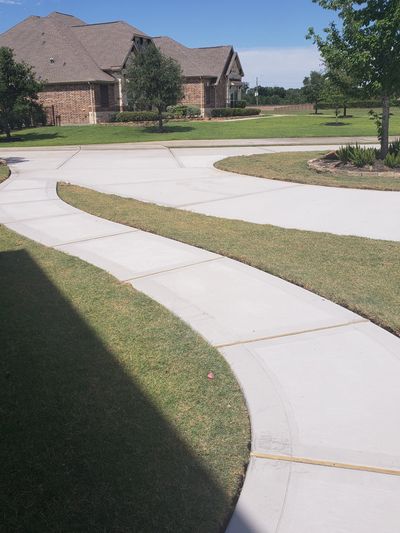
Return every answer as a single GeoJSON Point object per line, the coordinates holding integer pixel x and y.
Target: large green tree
{"type": "Point", "coordinates": [313, 88]}
{"type": "Point", "coordinates": [18, 88]}
{"type": "Point", "coordinates": [155, 80]}
{"type": "Point", "coordinates": [367, 46]}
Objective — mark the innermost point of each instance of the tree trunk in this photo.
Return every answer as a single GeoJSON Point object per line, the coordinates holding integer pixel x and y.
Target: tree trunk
{"type": "Point", "coordinates": [8, 130]}
{"type": "Point", "coordinates": [345, 110]}
{"type": "Point", "coordinates": [316, 107]}
{"type": "Point", "coordinates": [160, 121]}
{"type": "Point", "coordinates": [385, 126]}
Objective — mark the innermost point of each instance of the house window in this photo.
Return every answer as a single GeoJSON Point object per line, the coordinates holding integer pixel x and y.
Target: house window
{"type": "Point", "coordinates": [104, 96]}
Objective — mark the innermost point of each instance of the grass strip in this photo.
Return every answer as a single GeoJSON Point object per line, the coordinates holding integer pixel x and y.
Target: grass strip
{"type": "Point", "coordinates": [293, 167]}
{"type": "Point", "coordinates": [358, 273]}
{"type": "Point", "coordinates": [4, 172]}
{"type": "Point", "coordinates": [358, 123]}
{"type": "Point", "coordinates": [109, 422]}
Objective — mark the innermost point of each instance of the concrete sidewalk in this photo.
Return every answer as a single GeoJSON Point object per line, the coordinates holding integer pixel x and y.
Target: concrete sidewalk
{"type": "Point", "coordinates": [321, 382]}
{"type": "Point", "coordinates": [185, 178]}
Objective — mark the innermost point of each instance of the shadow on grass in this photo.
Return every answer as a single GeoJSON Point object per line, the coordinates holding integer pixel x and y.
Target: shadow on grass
{"type": "Point", "coordinates": [82, 448]}
{"type": "Point", "coordinates": [31, 136]}
{"type": "Point", "coordinates": [168, 129]}
{"type": "Point", "coordinates": [335, 124]}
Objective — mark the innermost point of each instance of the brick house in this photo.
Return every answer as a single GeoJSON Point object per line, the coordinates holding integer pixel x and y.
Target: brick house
{"type": "Point", "coordinates": [82, 66]}
{"type": "Point", "coordinates": [213, 76]}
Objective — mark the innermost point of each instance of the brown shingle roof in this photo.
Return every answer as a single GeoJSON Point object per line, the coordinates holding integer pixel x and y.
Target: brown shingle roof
{"type": "Point", "coordinates": [63, 49]}
{"type": "Point", "coordinates": [68, 20]}
{"type": "Point", "coordinates": [50, 46]}
{"type": "Point", "coordinates": [207, 62]}
{"type": "Point", "coordinates": [108, 43]}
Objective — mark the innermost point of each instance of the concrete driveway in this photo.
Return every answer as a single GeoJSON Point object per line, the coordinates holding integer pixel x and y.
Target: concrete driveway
{"type": "Point", "coordinates": [185, 178]}
{"type": "Point", "coordinates": [321, 383]}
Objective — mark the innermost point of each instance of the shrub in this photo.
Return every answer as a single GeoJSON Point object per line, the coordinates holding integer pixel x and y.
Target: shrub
{"type": "Point", "coordinates": [135, 116]}
{"type": "Point", "coordinates": [183, 111]}
{"type": "Point", "coordinates": [357, 155]}
{"type": "Point", "coordinates": [241, 104]}
{"type": "Point", "coordinates": [392, 160]}
{"type": "Point", "coordinates": [394, 147]}
{"type": "Point", "coordinates": [363, 157]}
{"type": "Point", "coordinates": [26, 114]}
{"type": "Point", "coordinates": [344, 153]}
{"type": "Point", "coordinates": [234, 112]}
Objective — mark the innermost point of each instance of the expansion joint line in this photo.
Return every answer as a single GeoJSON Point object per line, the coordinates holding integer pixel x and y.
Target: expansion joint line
{"type": "Point", "coordinates": [180, 267]}
{"type": "Point", "coordinates": [177, 160]}
{"type": "Point", "coordinates": [329, 464]}
{"type": "Point", "coordinates": [291, 334]}
{"type": "Point", "coordinates": [70, 157]}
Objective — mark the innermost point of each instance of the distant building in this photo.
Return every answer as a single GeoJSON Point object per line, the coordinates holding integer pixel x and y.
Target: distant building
{"type": "Point", "coordinates": [82, 66]}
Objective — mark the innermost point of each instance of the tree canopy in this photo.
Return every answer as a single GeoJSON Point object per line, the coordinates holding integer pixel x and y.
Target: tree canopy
{"type": "Point", "coordinates": [154, 80]}
{"type": "Point", "coordinates": [367, 46]}
{"type": "Point", "coordinates": [18, 88]}
{"type": "Point", "coordinates": [313, 88]}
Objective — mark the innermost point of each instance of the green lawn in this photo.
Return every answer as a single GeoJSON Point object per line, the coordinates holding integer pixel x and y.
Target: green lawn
{"type": "Point", "coordinates": [109, 422]}
{"type": "Point", "coordinates": [360, 274]}
{"type": "Point", "coordinates": [287, 126]}
{"type": "Point", "coordinates": [293, 167]}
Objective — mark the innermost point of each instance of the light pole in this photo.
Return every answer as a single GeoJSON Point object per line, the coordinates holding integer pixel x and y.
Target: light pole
{"type": "Point", "coordinates": [256, 91]}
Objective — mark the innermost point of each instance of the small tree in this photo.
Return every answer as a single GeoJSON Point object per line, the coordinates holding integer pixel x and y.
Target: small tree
{"type": "Point", "coordinates": [339, 89]}
{"type": "Point", "coordinates": [367, 46]}
{"type": "Point", "coordinates": [313, 88]}
{"type": "Point", "coordinates": [334, 96]}
{"type": "Point", "coordinates": [154, 80]}
{"type": "Point", "coordinates": [18, 88]}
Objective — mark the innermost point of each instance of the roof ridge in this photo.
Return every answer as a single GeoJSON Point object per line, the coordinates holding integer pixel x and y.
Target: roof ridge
{"type": "Point", "coordinates": [217, 46]}
{"type": "Point", "coordinates": [100, 23]}
{"type": "Point", "coordinates": [171, 39]}
{"type": "Point", "coordinates": [61, 13]}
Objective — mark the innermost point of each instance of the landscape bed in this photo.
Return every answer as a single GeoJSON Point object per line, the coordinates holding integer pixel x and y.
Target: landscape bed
{"type": "Point", "coordinates": [4, 171]}
{"type": "Point", "coordinates": [294, 167]}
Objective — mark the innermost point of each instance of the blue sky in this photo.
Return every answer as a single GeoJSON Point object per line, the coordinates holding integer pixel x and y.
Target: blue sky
{"type": "Point", "coordinates": [268, 34]}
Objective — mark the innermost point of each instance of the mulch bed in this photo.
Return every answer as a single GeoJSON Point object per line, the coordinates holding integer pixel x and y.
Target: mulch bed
{"type": "Point", "coordinates": [331, 163]}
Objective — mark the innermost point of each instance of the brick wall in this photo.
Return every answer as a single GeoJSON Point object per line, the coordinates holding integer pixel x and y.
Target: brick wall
{"type": "Point", "coordinates": [194, 93]}
{"type": "Point", "coordinates": [194, 90]}
{"type": "Point", "coordinates": [73, 102]}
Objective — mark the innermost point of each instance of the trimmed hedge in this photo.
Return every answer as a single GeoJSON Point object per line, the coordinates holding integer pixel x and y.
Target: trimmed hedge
{"type": "Point", "coordinates": [183, 111]}
{"type": "Point", "coordinates": [135, 116]}
{"type": "Point", "coordinates": [234, 112]}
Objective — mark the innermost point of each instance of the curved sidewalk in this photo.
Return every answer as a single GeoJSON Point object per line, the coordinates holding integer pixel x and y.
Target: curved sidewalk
{"type": "Point", "coordinates": [321, 382]}
{"type": "Point", "coordinates": [185, 178]}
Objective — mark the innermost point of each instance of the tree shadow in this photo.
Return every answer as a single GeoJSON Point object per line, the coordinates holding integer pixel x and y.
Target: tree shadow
{"type": "Point", "coordinates": [15, 160]}
{"type": "Point", "coordinates": [335, 124]}
{"type": "Point", "coordinates": [83, 449]}
{"type": "Point", "coordinates": [168, 129]}
{"type": "Point", "coordinates": [31, 136]}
